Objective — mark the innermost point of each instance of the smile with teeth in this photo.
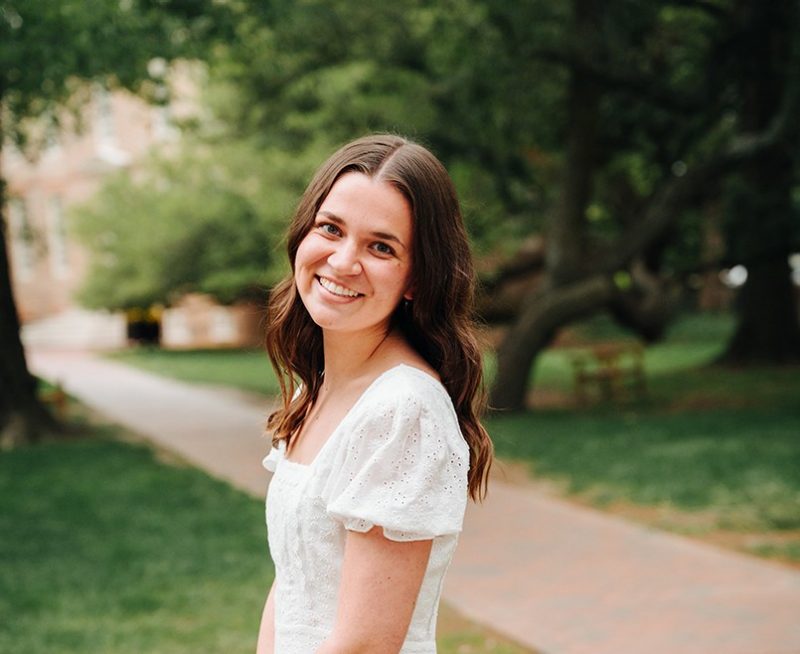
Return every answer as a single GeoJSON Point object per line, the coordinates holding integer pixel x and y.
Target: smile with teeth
{"type": "Point", "coordinates": [336, 289]}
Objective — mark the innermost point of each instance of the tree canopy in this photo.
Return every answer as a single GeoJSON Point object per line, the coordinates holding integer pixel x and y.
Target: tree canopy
{"type": "Point", "coordinates": [47, 49]}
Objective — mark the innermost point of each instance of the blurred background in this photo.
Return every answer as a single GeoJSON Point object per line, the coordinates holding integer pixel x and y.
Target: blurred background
{"type": "Point", "coordinates": [629, 177]}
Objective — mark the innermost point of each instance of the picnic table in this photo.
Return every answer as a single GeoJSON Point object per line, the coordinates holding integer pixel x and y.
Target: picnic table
{"type": "Point", "coordinates": [609, 372]}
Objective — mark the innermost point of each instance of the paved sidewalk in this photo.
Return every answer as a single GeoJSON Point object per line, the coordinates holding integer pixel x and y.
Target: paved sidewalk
{"type": "Point", "coordinates": [553, 576]}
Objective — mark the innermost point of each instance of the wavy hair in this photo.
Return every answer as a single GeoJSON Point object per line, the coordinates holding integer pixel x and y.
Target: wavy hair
{"type": "Point", "coordinates": [438, 323]}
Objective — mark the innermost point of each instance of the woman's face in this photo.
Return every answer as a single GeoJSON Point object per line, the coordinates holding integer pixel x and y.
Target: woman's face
{"type": "Point", "coordinates": [354, 265]}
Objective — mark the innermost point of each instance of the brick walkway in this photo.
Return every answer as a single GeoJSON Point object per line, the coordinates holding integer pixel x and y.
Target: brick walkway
{"type": "Point", "coordinates": [553, 576]}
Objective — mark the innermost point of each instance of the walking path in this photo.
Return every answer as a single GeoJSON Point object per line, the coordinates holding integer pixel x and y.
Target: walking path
{"type": "Point", "coordinates": [550, 575]}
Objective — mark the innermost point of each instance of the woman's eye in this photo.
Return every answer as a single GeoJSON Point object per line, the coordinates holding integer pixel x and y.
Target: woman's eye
{"type": "Point", "coordinates": [329, 228]}
{"type": "Point", "coordinates": [383, 248]}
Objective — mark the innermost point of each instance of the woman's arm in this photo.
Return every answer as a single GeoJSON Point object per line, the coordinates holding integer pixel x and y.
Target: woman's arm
{"type": "Point", "coordinates": [266, 633]}
{"type": "Point", "coordinates": [380, 582]}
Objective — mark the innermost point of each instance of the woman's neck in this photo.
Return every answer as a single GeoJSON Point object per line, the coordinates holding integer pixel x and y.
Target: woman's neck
{"type": "Point", "coordinates": [349, 356]}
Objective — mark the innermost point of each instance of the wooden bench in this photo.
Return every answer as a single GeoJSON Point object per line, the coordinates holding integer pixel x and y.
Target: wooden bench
{"type": "Point", "coordinates": [609, 372]}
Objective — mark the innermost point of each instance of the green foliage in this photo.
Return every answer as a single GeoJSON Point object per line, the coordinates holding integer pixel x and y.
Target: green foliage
{"type": "Point", "coordinates": [430, 72]}
{"type": "Point", "coordinates": [210, 220]}
{"type": "Point", "coordinates": [484, 84]}
{"type": "Point", "coordinates": [49, 54]}
{"type": "Point", "coordinates": [106, 550]}
{"type": "Point", "coordinates": [48, 48]}
{"type": "Point", "coordinates": [349, 78]}
{"type": "Point", "coordinates": [279, 104]}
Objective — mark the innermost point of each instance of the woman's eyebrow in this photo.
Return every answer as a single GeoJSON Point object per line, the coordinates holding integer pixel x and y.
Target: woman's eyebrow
{"type": "Point", "coordinates": [386, 236]}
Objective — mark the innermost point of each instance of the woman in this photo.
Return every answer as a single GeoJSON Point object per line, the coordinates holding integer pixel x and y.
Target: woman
{"type": "Point", "coordinates": [378, 446]}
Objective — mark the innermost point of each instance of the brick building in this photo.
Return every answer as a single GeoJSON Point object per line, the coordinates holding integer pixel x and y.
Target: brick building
{"type": "Point", "coordinates": [116, 130]}
{"type": "Point", "coordinates": [47, 265]}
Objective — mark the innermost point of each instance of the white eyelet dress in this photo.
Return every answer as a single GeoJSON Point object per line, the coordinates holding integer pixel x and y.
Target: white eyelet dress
{"type": "Point", "coordinates": [397, 460]}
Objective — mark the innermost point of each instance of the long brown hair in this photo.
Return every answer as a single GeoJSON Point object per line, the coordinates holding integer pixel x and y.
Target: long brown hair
{"type": "Point", "coordinates": [438, 323]}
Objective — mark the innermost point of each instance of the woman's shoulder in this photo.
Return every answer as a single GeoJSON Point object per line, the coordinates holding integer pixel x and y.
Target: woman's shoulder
{"type": "Point", "coordinates": [405, 402]}
{"type": "Point", "coordinates": [409, 386]}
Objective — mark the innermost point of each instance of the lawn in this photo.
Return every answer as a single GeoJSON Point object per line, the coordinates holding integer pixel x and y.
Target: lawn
{"type": "Point", "coordinates": [248, 370]}
{"type": "Point", "coordinates": [712, 452]}
{"type": "Point", "coordinates": [105, 549]}
{"type": "Point", "coordinates": [111, 547]}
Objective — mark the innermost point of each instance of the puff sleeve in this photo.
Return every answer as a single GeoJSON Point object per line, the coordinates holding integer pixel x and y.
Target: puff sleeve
{"type": "Point", "coordinates": [270, 462]}
{"type": "Point", "coordinates": [402, 465]}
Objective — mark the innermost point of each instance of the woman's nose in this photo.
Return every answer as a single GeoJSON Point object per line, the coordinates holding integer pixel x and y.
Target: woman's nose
{"type": "Point", "coordinates": [345, 260]}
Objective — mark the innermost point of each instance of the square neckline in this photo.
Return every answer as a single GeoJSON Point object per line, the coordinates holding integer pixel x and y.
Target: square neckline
{"type": "Point", "coordinates": [334, 432]}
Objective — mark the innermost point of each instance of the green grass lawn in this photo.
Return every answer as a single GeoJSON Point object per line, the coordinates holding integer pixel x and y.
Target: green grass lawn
{"type": "Point", "coordinates": [743, 465]}
{"type": "Point", "coordinates": [691, 341]}
{"type": "Point", "coordinates": [248, 370]}
{"type": "Point", "coordinates": [106, 550]}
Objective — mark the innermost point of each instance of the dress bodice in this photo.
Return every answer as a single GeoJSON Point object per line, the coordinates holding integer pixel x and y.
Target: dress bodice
{"type": "Point", "coordinates": [397, 460]}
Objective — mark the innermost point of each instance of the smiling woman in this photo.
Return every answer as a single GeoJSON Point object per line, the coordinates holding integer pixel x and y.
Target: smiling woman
{"type": "Point", "coordinates": [377, 443]}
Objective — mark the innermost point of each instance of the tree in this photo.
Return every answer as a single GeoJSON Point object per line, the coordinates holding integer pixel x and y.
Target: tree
{"type": "Point", "coordinates": [699, 147]}
{"type": "Point", "coordinates": [763, 224]}
{"type": "Point", "coordinates": [45, 49]}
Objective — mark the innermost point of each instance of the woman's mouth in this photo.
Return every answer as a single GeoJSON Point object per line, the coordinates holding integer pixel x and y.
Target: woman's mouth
{"type": "Point", "coordinates": [336, 289]}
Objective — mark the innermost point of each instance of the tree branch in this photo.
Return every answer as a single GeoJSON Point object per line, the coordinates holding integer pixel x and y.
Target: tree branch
{"type": "Point", "coordinates": [708, 6]}
{"type": "Point", "coordinates": [677, 194]}
{"type": "Point", "coordinates": [648, 306]}
{"type": "Point", "coordinates": [528, 260]}
{"type": "Point", "coordinates": [542, 313]}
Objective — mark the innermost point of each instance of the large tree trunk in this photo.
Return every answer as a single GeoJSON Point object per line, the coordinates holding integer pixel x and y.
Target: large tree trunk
{"type": "Point", "coordinates": [564, 294]}
{"type": "Point", "coordinates": [23, 418]}
{"type": "Point", "coordinates": [566, 241]}
{"type": "Point", "coordinates": [768, 330]}
{"type": "Point", "coordinates": [761, 216]}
